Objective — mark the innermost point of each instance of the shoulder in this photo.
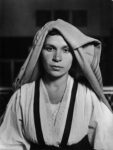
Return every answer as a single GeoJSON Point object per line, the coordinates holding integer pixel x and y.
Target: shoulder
{"type": "Point", "coordinates": [23, 90]}
{"type": "Point", "coordinates": [26, 93]}
{"type": "Point", "coordinates": [27, 86]}
{"type": "Point", "coordinates": [27, 89]}
{"type": "Point", "coordinates": [84, 84]}
{"type": "Point", "coordinates": [89, 96]}
{"type": "Point", "coordinates": [21, 98]}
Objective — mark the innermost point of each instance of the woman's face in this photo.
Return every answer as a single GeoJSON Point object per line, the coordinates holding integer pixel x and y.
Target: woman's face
{"type": "Point", "coordinates": [56, 56]}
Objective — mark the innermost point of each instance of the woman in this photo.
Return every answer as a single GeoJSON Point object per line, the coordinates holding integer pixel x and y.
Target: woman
{"type": "Point", "coordinates": [58, 101]}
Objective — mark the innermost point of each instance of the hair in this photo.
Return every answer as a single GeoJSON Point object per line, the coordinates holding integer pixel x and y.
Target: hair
{"type": "Point", "coordinates": [54, 32]}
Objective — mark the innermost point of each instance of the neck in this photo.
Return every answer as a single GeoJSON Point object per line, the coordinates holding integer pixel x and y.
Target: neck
{"type": "Point", "coordinates": [56, 82]}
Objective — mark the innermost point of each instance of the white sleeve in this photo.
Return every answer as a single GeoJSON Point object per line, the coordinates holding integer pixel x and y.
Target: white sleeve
{"type": "Point", "coordinates": [101, 125]}
{"type": "Point", "coordinates": [11, 131]}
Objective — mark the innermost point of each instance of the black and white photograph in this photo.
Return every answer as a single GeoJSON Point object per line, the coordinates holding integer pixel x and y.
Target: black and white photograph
{"type": "Point", "coordinates": [56, 75]}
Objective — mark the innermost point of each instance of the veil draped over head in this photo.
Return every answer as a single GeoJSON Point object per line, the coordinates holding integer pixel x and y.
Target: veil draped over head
{"type": "Point", "coordinates": [87, 52]}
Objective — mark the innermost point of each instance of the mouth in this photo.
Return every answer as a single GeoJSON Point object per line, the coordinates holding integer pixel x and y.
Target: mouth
{"type": "Point", "coordinates": [56, 68]}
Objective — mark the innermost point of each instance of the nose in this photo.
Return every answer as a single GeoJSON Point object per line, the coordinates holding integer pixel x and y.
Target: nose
{"type": "Point", "coordinates": [57, 57]}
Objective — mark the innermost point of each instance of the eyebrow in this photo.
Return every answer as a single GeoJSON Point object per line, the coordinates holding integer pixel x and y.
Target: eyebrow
{"type": "Point", "coordinates": [65, 46]}
{"type": "Point", "coordinates": [49, 45]}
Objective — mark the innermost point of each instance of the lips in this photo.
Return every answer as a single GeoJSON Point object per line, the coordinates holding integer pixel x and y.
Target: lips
{"type": "Point", "coordinates": [57, 68]}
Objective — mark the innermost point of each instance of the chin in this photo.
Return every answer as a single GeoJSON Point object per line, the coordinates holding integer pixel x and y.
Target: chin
{"type": "Point", "coordinates": [57, 75]}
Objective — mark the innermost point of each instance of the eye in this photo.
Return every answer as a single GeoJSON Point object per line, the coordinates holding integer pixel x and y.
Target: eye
{"type": "Point", "coordinates": [66, 50]}
{"type": "Point", "coordinates": [48, 48]}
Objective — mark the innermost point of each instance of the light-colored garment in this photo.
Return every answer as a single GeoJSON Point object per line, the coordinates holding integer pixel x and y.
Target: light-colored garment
{"type": "Point", "coordinates": [90, 117]}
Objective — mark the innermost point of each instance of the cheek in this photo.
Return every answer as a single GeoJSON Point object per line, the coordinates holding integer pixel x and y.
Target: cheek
{"type": "Point", "coordinates": [68, 61]}
{"type": "Point", "coordinates": [44, 57]}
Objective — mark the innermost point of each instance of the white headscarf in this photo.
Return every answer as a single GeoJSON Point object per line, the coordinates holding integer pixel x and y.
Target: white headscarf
{"type": "Point", "coordinates": [87, 52]}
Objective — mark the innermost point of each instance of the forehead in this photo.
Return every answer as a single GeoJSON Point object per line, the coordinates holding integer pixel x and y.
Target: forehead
{"type": "Point", "coordinates": [56, 40]}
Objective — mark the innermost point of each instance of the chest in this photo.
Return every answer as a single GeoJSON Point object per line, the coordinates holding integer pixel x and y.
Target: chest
{"type": "Point", "coordinates": [56, 95]}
